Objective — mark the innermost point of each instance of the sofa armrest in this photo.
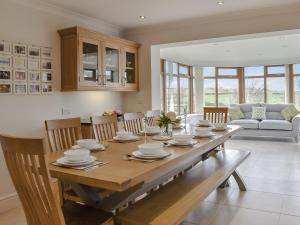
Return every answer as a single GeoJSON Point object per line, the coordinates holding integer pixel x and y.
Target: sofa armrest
{"type": "Point", "coordinates": [296, 124]}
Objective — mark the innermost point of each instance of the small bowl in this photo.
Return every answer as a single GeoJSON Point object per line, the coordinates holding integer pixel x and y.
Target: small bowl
{"type": "Point", "coordinates": [87, 143]}
{"type": "Point", "coordinates": [183, 138]}
{"type": "Point", "coordinates": [124, 134]}
{"type": "Point", "coordinates": [151, 148]}
{"type": "Point", "coordinates": [77, 155]}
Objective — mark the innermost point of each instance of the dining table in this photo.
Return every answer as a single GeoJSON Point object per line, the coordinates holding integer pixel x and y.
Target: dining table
{"type": "Point", "coordinates": [126, 180]}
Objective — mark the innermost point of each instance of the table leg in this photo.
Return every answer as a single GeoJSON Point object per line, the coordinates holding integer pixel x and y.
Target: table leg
{"type": "Point", "coordinates": [239, 180]}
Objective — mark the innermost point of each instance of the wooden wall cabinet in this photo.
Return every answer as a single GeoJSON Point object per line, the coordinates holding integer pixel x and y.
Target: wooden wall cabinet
{"type": "Point", "coordinates": [95, 61]}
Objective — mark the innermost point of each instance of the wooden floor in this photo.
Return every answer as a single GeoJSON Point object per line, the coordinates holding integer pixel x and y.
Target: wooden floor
{"type": "Point", "coordinates": [273, 198]}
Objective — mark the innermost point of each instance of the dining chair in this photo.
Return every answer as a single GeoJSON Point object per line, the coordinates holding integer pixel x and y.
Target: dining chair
{"type": "Point", "coordinates": [26, 162]}
{"type": "Point", "coordinates": [63, 133]}
{"type": "Point", "coordinates": [104, 127]}
{"type": "Point", "coordinates": [134, 122]}
{"type": "Point", "coordinates": [151, 115]}
{"type": "Point", "coordinates": [215, 114]}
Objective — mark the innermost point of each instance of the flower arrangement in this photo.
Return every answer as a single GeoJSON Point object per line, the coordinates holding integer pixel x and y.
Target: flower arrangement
{"type": "Point", "coordinates": [165, 120]}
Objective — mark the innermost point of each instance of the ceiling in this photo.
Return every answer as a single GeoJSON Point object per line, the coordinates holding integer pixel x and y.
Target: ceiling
{"type": "Point", "coordinates": [125, 13]}
{"type": "Point", "coordinates": [255, 51]}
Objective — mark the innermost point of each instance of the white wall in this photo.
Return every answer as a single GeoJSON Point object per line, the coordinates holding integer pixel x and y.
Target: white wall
{"type": "Point", "coordinates": [25, 115]}
{"type": "Point", "coordinates": [243, 23]}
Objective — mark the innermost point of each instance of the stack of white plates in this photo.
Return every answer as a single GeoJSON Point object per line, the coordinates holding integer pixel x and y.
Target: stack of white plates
{"type": "Point", "coordinates": [152, 150]}
{"type": "Point", "coordinates": [125, 136]}
{"type": "Point", "coordinates": [162, 154]}
{"type": "Point", "coordinates": [78, 157]}
{"type": "Point", "coordinates": [180, 143]}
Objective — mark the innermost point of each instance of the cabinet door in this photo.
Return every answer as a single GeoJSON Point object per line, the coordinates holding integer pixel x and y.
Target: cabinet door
{"type": "Point", "coordinates": [90, 62]}
{"type": "Point", "coordinates": [111, 73]}
{"type": "Point", "coordinates": [129, 70]}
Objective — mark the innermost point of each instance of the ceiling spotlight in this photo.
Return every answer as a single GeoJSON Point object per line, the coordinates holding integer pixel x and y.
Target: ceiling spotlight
{"type": "Point", "coordinates": [142, 17]}
{"type": "Point", "coordinates": [220, 3]}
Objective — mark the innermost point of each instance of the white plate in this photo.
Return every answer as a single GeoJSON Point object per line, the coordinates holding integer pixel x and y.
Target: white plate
{"type": "Point", "coordinates": [205, 135]}
{"type": "Point", "coordinates": [138, 154]}
{"type": "Point", "coordinates": [126, 139]}
{"type": "Point", "coordinates": [63, 161]}
{"type": "Point", "coordinates": [173, 142]}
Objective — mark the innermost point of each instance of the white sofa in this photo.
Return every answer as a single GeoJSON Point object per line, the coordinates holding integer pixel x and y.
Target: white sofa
{"type": "Point", "coordinates": [274, 125]}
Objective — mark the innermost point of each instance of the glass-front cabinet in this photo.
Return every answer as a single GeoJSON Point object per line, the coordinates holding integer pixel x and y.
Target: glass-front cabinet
{"type": "Point", "coordinates": [90, 62]}
{"type": "Point", "coordinates": [112, 66]}
{"type": "Point", "coordinates": [129, 70]}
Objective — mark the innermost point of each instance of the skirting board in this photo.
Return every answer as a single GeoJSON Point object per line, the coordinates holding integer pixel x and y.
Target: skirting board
{"type": "Point", "coordinates": [8, 202]}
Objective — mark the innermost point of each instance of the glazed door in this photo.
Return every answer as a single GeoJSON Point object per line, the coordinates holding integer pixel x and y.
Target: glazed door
{"type": "Point", "coordinates": [90, 62]}
{"type": "Point", "coordinates": [129, 69]}
{"type": "Point", "coordinates": [111, 74]}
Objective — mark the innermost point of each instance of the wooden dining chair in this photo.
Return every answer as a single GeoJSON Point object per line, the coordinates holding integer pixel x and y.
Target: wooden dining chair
{"type": "Point", "coordinates": [150, 115]}
{"type": "Point", "coordinates": [25, 159]}
{"type": "Point", "coordinates": [134, 122]}
{"type": "Point", "coordinates": [215, 114]}
{"type": "Point", "coordinates": [104, 127]}
{"type": "Point", "coordinates": [62, 134]}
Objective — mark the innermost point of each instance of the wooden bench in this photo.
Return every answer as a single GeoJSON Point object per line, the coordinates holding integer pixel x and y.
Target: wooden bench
{"type": "Point", "coordinates": [173, 202]}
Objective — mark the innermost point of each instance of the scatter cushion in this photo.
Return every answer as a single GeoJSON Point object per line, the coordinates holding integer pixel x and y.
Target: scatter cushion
{"type": "Point", "coordinates": [235, 113]}
{"type": "Point", "coordinates": [290, 112]}
{"type": "Point", "coordinates": [259, 113]}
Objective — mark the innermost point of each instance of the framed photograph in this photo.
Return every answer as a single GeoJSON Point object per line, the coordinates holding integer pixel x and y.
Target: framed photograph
{"type": "Point", "coordinates": [46, 53]}
{"type": "Point", "coordinates": [46, 76]}
{"type": "Point", "coordinates": [46, 65]}
{"type": "Point", "coordinates": [5, 61]}
{"type": "Point", "coordinates": [34, 51]}
{"type": "Point", "coordinates": [34, 76]}
{"type": "Point", "coordinates": [33, 64]}
{"type": "Point", "coordinates": [20, 75]}
{"type": "Point", "coordinates": [20, 62]}
{"type": "Point", "coordinates": [5, 88]}
{"type": "Point", "coordinates": [5, 74]}
{"type": "Point", "coordinates": [34, 88]}
{"type": "Point", "coordinates": [5, 47]}
{"type": "Point", "coordinates": [20, 49]}
{"type": "Point", "coordinates": [47, 88]}
{"type": "Point", "coordinates": [20, 88]}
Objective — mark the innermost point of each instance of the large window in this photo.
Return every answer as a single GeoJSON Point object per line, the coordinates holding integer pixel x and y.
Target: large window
{"type": "Point", "coordinates": [221, 86]}
{"type": "Point", "coordinates": [178, 87]}
{"type": "Point", "coordinates": [254, 84]}
{"type": "Point", "coordinates": [296, 74]}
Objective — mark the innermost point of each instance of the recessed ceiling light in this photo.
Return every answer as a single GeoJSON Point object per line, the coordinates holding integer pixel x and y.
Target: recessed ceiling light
{"type": "Point", "coordinates": [142, 17]}
{"type": "Point", "coordinates": [220, 3]}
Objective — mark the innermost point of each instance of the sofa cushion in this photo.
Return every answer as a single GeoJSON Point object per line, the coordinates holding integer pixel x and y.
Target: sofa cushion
{"type": "Point", "coordinates": [290, 112]}
{"type": "Point", "coordinates": [274, 116]}
{"type": "Point", "coordinates": [235, 113]}
{"type": "Point", "coordinates": [275, 125]}
{"type": "Point", "coordinates": [258, 113]}
{"type": "Point", "coordinates": [274, 107]}
{"type": "Point", "coordinates": [245, 123]}
{"type": "Point", "coordinates": [246, 108]}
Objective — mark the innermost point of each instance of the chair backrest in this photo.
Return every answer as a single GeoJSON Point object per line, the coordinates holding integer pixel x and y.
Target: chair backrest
{"type": "Point", "coordinates": [104, 127]}
{"type": "Point", "coordinates": [62, 134]}
{"type": "Point", "coordinates": [134, 122]}
{"type": "Point", "coordinates": [215, 114]}
{"type": "Point", "coordinates": [150, 115]}
{"type": "Point", "coordinates": [25, 159]}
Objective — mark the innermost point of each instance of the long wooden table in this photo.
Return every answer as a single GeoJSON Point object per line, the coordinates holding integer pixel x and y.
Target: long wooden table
{"type": "Point", "coordinates": [129, 179]}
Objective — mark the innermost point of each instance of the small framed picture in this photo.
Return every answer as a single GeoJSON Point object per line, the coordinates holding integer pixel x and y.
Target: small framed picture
{"type": "Point", "coordinates": [33, 64]}
{"type": "Point", "coordinates": [5, 74]}
{"type": "Point", "coordinates": [5, 88]}
{"type": "Point", "coordinates": [20, 88]}
{"type": "Point", "coordinates": [34, 76]}
{"type": "Point", "coordinates": [5, 61]}
{"type": "Point", "coordinates": [20, 62]}
{"type": "Point", "coordinates": [46, 76]}
{"type": "Point", "coordinates": [34, 51]}
{"type": "Point", "coordinates": [46, 65]}
{"type": "Point", "coordinates": [20, 75]}
{"type": "Point", "coordinates": [34, 88]}
{"type": "Point", "coordinates": [47, 88]}
{"type": "Point", "coordinates": [5, 47]}
{"type": "Point", "coordinates": [46, 53]}
{"type": "Point", "coordinates": [20, 49]}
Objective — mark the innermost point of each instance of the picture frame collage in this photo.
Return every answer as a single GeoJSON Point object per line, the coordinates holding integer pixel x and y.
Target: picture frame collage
{"type": "Point", "coordinates": [25, 69]}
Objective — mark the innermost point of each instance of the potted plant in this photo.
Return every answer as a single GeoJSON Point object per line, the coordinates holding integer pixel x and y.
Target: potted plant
{"type": "Point", "coordinates": [165, 121]}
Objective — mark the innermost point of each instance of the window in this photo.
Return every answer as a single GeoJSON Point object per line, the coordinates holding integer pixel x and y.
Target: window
{"type": "Point", "coordinates": [296, 74]}
{"type": "Point", "coordinates": [178, 82]}
{"type": "Point", "coordinates": [254, 84]}
{"type": "Point", "coordinates": [221, 86]}
{"type": "Point", "coordinates": [275, 84]}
